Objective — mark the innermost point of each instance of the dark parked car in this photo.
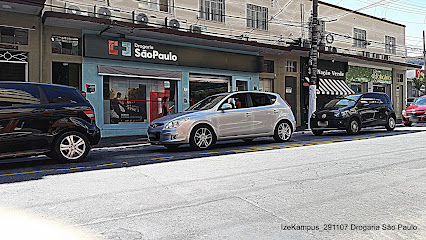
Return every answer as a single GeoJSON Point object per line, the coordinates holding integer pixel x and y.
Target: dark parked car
{"type": "Point", "coordinates": [354, 112]}
{"type": "Point", "coordinates": [45, 119]}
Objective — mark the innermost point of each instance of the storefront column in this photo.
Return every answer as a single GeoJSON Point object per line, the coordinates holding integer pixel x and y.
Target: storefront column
{"type": "Point", "coordinates": [184, 92]}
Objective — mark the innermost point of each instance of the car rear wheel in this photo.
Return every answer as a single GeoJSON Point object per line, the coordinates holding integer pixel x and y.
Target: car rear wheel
{"type": "Point", "coordinates": [202, 137]}
{"type": "Point", "coordinates": [70, 147]}
{"type": "Point", "coordinates": [408, 124]}
{"type": "Point", "coordinates": [317, 132]}
{"type": "Point", "coordinates": [353, 127]}
{"type": "Point", "coordinates": [390, 123]}
{"type": "Point", "coordinates": [283, 132]}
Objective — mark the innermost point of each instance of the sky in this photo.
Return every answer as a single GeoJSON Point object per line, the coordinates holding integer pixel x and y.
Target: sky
{"type": "Point", "coordinates": [411, 13]}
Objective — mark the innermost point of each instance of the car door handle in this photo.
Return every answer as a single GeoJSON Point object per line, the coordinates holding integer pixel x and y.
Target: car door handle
{"type": "Point", "coordinates": [276, 111]}
{"type": "Point", "coordinates": [248, 114]}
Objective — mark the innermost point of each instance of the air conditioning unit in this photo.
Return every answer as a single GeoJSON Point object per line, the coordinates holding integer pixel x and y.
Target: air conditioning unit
{"type": "Point", "coordinates": [72, 9]}
{"type": "Point", "coordinates": [142, 18]}
{"type": "Point", "coordinates": [195, 29]}
{"type": "Point", "coordinates": [174, 23]}
{"type": "Point", "coordinates": [103, 12]}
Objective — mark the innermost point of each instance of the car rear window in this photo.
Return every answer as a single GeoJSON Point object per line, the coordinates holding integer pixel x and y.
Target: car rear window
{"type": "Point", "coordinates": [62, 95]}
{"type": "Point", "coordinates": [18, 95]}
{"type": "Point", "coordinates": [260, 99]}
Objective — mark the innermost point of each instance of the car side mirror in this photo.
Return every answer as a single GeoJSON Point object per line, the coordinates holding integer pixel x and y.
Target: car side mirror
{"type": "Point", "coordinates": [226, 106]}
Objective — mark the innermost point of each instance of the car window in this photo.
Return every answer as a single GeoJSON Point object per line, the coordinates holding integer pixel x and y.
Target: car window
{"type": "Point", "coordinates": [371, 99]}
{"type": "Point", "coordinates": [420, 101]}
{"type": "Point", "coordinates": [61, 96]}
{"type": "Point", "coordinates": [18, 95]}
{"type": "Point", "coordinates": [260, 99]}
{"type": "Point", "coordinates": [237, 101]}
{"type": "Point", "coordinates": [207, 103]}
{"type": "Point", "coordinates": [383, 98]}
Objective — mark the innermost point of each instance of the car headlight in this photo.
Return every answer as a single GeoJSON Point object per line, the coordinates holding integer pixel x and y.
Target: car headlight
{"type": "Point", "coordinates": [313, 115]}
{"type": "Point", "coordinates": [337, 114]}
{"type": "Point", "coordinates": [404, 113]}
{"type": "Point", "coordinates": [175, 123]}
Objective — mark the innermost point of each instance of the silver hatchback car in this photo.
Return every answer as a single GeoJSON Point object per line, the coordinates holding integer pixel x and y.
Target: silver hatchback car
{"type": "Point", "coordinates": [237, 115]}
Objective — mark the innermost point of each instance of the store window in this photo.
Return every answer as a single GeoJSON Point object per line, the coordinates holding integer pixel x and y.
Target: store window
{"type": "Point", "coordinates": [158, 5]}
{"type": "Point", "coordinates": [13, 35]}
{"type": "Point", "coordinates": [360, 37]}
{"type": "Point", "coordinates": [357, 88]}
{"type": "Point", "coordinates": [390, 45]}
{"type": "Point", "coordinates": [213, 10]}
{"type": "Point", "coordinates": [130, 100]}
{"type": "Point", "coordinates": [268, 66]}
{"type": "Point", "coordinates": [257, 17]}
{"type": "Point", "coordinates": [290, 66]}
{"type": "Point", "coordinates": [66, 45]}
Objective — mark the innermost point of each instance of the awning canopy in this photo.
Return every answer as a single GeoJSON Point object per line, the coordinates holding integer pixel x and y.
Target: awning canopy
{"type": "Point", "coordinates": [333, 87]}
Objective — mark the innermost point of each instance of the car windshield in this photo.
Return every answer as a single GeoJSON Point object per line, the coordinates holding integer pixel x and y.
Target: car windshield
{"type": "Point", "coordinates": [342, 102]}
{"type": "Point", "coordinates": [207, 103]}
{"type": "Point", "coordinates": [420, 101]}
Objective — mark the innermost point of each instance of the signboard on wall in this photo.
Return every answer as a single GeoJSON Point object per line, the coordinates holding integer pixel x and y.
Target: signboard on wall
{"type": "Point", "coordinates": [104, 47]}
{"type": "Point", "coordinates": [363, 74]}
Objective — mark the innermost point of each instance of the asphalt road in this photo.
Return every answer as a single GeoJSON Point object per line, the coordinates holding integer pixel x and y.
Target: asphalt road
{"type": "Point", "coordinates": [369, 186]}
{"type": "Point", "coordinates": [33, 168]}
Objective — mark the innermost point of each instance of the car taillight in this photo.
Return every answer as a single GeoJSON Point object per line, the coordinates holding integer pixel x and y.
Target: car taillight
{"type": "Point", "coordinates": [90, 114]}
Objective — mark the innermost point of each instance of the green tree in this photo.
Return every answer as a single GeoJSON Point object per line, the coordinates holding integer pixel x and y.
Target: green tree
{"type": "Point", "coordinates": [418, 82]}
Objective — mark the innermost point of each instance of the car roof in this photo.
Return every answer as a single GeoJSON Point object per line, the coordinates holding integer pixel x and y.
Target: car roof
{"type": "Point", "coordinates": [40, 84]}
{"type": "Point", "coordinates": [229, 93]}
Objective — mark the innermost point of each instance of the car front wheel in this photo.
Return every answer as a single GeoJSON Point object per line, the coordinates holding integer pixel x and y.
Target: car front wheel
{"type": "Point", "coordinates": [202, 137]}
{"type": "Point", "coordinates": [354, 126]}
{"type": "Point", "coordinates": [390, 123]}
{"type": "Point", "coordinates": [283, 132]}
{"type": "Point", "coordinates": [70, 147]}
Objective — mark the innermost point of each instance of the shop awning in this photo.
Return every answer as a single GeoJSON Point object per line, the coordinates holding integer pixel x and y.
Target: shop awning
{"type": "Point", "coordinates": [119, 71]}
{"type": "Point", "coordinates": [333, 87]}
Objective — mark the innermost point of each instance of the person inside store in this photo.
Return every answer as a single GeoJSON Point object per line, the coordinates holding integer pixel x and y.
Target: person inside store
{"type": "Point", "coordinates": [165, 106]}
{"type": "Point", "coordinates": [117, 109]}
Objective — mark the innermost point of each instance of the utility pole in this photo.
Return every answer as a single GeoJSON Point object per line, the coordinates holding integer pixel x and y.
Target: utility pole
{"type": "Point", "coordinates": [313, 63]}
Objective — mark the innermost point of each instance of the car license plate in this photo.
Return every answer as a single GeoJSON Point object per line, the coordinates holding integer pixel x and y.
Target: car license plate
{"type": "Point", "coordinates": [413, 119]}
{"type": "Point", "coordinates": [322, 123]}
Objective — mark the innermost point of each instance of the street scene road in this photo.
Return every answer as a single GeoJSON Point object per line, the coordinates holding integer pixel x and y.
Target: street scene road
{"type": "Point", "coordinates": [330, 187]}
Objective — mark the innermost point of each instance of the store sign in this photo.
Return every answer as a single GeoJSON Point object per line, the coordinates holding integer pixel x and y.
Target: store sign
{"type": "Point", "coordinates": [145, 51]}
{"type": "Point", "coordinates": [420, 73]}
{"type": "Point", "coordinates": [104, 47]}
{"type": "Point", "coordinates": [90, 88]}
{"type": "Point", "coordinates": [363, 74]}
{"type": "Point", "coordinates": [330, 73]}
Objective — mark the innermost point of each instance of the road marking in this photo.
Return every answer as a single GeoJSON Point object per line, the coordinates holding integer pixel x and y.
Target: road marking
{"type": "Point", "coordinates": [108, 164]}
{"type": "Point", "coordinates": [161, 158]}
{"type": "Point", "coordinates": [209, 153]}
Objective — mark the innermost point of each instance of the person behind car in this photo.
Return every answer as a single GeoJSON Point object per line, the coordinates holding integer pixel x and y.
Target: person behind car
{"type": "Point", "coordinates": [165, 106]}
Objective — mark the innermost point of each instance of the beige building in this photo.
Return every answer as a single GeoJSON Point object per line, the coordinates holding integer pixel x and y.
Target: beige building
{"type": "Point", "coordinates": [368, 51]}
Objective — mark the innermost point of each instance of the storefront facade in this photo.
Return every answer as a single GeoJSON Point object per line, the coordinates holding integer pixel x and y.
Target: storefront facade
{"type": "Point", "coordinates": [128, 79]}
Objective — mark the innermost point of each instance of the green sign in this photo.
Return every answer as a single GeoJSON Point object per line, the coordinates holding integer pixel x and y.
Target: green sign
{"type": "Point", "coordinates": [363, 74]}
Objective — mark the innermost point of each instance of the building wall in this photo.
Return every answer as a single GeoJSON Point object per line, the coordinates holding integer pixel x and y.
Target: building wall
{"type": "Point", "coordinates": [50, 57]}
{"type": "Point", "coordinates": [34, 26]}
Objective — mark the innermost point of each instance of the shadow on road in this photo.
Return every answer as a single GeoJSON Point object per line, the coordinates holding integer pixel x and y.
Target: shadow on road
{"type": "Point", "coordinates": [34, 168]}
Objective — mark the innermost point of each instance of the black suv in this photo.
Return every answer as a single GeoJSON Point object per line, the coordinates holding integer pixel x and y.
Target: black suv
{"type": "Point", "coordinates": [354, 112]}
{"type": "Point", "coordinates": [45, 119]}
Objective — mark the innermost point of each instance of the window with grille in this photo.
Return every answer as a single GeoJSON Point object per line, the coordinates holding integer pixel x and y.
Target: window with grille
{"type": "Point", "coordinates": [212, 10]}
{"type": "Point", "coordinates": [158, 5]}
{"type": "Point", "coordinates": [400, 77]}
{"type": "Point", "coordinates": [257, 17]}
{"type": "Point", "coordinates": [290, 66]}
{"type": "Point", "coordinates": [360, 37]}
{"type": "Point", "coordinates": [390, 45]}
